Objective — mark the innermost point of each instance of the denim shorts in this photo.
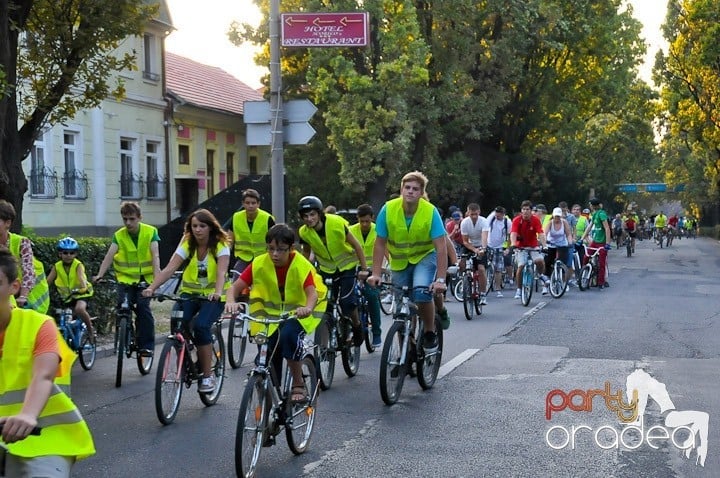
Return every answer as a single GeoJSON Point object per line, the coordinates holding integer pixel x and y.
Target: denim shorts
{"type": "Point", "coordinates": [417, 275]}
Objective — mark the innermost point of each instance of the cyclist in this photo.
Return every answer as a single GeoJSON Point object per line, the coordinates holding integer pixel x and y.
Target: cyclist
{"type": "Point", "coordinates": [559, 236]}
{"type": "Point", "coordinates": [660, 224]}
{"type": "Point", "coordinates": [453, 229]}
{"type": "Point", "coordinates": [673, 226]}
{"type": "Point", "coordinates": [35, 368]}
{"type": "Point", "coordinates": [205, 255]}
{"type": "Point", "coordinates": [249, 228]}
{"type": "Point", "coordinates": [411, 229]}
{"type": "Point", "coordinates": [527, 231]}
{"type": "Point", "coordinates": [630, 226]}
{"type": "Point", "coordinates": [283, 280]}
{"type": "Point", "coordinates": [600, 233]}
{"type": "Point", "coordinates": [364, 232]}
{"type": "Point", "coordinates": [34, 290]}
{"type": "Point", "coordinates": [337, 252]}
{"type": "Point", "coordinates": [572, 221]}
{"type": "Point", "coordinates": [68, 275]}
{"type": "Point", "coordinates": [474, 229]}
{"type": "Point", "coordinates": [498, 240]}
{"type": "Point", "coordinates": [135, 258]}
{"type": "Point", "coordinates": [617, 230]}
{"type": "Point", "coordinates": [540, 210]}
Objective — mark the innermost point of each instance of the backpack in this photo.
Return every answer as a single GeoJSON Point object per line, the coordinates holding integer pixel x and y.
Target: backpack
{"type": "Point", "coordinates": [505, 223]}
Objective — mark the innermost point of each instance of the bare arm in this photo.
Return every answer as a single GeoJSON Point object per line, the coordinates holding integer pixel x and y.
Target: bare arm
{"type": "Point", "coordinates": [81, 277]}
{"type": "Point", "coordinates": [221, 267]}
{"type": "Point", "coordinates": [112, 250]}
{"type": "Point", "coordinates": [379, 251]}
{"type": "Point", "coordinates": [52, 275]}
{"type": "Point", "coordinates": [310, 302]}
{"type": "Point", "coordinates": [452, 253]}
{"type": "Point", "coordinates": [160, 278]}
{"type": "Point", "coordinates": [155, 254]}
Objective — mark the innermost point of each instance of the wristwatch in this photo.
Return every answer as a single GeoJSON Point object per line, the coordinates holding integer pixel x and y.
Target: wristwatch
{"type": "Point", "coordinates": [440, 280]}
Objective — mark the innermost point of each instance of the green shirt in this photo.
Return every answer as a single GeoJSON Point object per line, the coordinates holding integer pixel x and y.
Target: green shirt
{"type": "Point", "coordinates": [598, 221]}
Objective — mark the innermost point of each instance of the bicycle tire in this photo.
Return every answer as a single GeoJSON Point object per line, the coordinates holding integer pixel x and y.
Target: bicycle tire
{"type": "Point", "coordinates": [628, 248]}
{"type": "Point", "coordinates": [169, 382]}
{"type": "Point", "coordinates": [300, 417]}
{"type": "Point", "coordinates": [528, 280]}
{"type": "Point", "coordinates": [87, 351]}
{"type": "Point", "coordinates": [217, 367]}
{"type": "Point", "coordinates": [585, 276]}
{"type": "Point", "coordinates": [477, 302]}
{"type": "Point", "coordinates": [489, 278]}
{"type": "Point", "coordinates": [251, 426]}
{"type": "Point", "coordinates": [367, 328]}
{"type": "Point", "coordinates": [467, 299]}
{"type": "Point", "coordinates": [457, 291]}
{"type": "Point", "coordinates": [558, 280]}
{"type": "Point", "coordinates": [236, 342]}
{"type": "Point", "coordinates": [121, 348]}
{"type": "Point", "coordinates": [392, 372]}
{"type": "Point", "coordinates": [349, 352]}
{"type": "Point", "coordinates": [428, 366]}
{"type": "Point", "coordinates": [387, 301]}
{"type": "Point", "coordinates": [323, 355]}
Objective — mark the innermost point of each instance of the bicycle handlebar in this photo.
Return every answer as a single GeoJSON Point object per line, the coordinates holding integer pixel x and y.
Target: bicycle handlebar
{"type": "Point", "coordinates": [35, 431]}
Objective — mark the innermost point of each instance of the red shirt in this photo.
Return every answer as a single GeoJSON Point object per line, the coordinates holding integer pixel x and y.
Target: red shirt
{"type": "Point", "coordinates": [281, 272]}
{"type": "Point", "coordinates": [673, 221]}
{"type": "Point", "coordinates": [527, 231]}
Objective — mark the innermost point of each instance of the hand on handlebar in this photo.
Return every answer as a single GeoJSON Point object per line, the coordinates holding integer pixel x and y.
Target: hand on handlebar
{"type": "Point", "coordinates": [302, 312]}
{"type": "Point", "coordinates": [373, 280]}
{"type": "Point", "coordinates": [18, 427]}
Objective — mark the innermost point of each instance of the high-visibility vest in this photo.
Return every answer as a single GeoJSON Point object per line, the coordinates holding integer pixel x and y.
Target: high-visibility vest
{"type": "Point", "coordinates": [66, 282]}
{"type": "Point", "coordinates": [64, 432]}
{"type": "Point", "coordinates": [265, 298]}
{"type": "Point", "coordinates": [335, 253]}
{"type": "Point", "coordinates": [367, 243]}
{"type": "Point", "coordinates": [580, 227]}
{"type": "Point", "coordinates": [249, 244]}
{"type": "Point", "coordinates": [39, 296]}
{"type": "Point", "coordinates": [190, 280]}
{"type": "Point", "coordinates": [133, 262]}
{"type": "Point", "coordinates": [408, 245]}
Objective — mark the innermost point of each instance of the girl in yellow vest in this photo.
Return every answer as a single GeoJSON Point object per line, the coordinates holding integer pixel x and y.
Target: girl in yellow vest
{"type": "Point", "coordinates": [205, 249]}
{"type": "Point", "coordinates": [34, 369]}
{"type": "Point", "coordinates": [68, 275]}
{"type": "Point", "coordinates": [282, 280]}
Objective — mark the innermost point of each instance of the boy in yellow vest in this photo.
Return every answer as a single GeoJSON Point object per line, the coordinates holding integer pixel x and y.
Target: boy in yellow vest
{"type": "Point", "coordinates": [136, 260]}
{"type": "Point", "coordinates": [249, 228]}
{"type": "Point", "coordinates": [68, 275]}
{"type": "Point", "coordinates": [34, 365]}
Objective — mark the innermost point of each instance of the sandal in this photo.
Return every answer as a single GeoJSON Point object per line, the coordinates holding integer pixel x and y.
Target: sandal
{"type": "Point", "coordinates": [297, 394]}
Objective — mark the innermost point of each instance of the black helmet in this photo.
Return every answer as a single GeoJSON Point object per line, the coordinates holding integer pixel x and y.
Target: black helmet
{"type": "Point", "coordinates": [595, 201]}
{"type": "Point", "coordinates": [309, 203]}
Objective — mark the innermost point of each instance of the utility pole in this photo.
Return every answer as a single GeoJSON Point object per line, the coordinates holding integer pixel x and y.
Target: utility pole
{"type": "Point", "coordinates": [277, 165]}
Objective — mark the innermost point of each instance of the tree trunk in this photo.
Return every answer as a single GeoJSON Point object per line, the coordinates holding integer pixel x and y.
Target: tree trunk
{"type": "Point", "coordinates": [13, 182]}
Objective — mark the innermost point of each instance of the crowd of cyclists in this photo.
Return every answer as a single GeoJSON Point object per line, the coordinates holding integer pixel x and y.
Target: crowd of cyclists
{"type": "Point", "coordinates": [408, 237]}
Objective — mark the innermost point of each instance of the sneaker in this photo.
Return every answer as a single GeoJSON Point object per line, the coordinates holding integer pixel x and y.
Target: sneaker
{"type": "Point", "coordinates": [444, 319]}
{"type": "Point", "coordinates": [517, 294]}
{"type": "Point", "coordinates": [357, 335]}
{"type": "Point", "coordinates": [572, 283]}
{"type": "Point", "coordinates": [377, 340]}
{"type": "Point", "coordinates": [207, 385]}
{"type": "Point", "coordinates": [545, 290]}
{"type": "Point", "coordinates": [499, 294]}
{"type": "Point", "coordinates": [544, 278]}
{"type": "Point", "coordinates": [483, 299]}
{"type": "Point", "coordinates": [604, 286]}
{"type": "Point", "coordinates": [430, 342]}
{"type": "Point", "coordinates": [145, 352]}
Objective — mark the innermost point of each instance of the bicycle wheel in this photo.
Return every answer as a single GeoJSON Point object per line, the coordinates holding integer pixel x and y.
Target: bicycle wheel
{"type": "Point", "coordinates": [169, 380]}
{"type": "Point", "coordinates": [251, 430]}
{"type": "Point", "coordinates": [490, 278]}
{"type": "Point", "coordinates": [387, 300]}
{"type": "Point", "coordinates": [144, 362]}
{"type": "Point", "coordinates": [217, 367]}
{"type": "Point", "coordinates": [558, 280]}
{"type": "Point", "coordinates": [467, 299]}
{"type": "Point", "coordinates": [392, 371]}
{"type": "Point", "coordinates": [429, 365]}
{"type": "Point", "coordinates": [528, 279]}
{"type": "Point", "coordinates": [628, 248]}
{"type": "Point", "coordinates": [457, 291]}
{"type": "Point", "coordinates": [300, 417]}
{"type": "Point", "coordinates": [87, 351]}
{"type": "Point", "coordinates": [367, 330]}
{"type": "Point", "coordinates": [585, 275]}
{"type": "Point", "coordinates": [477, 302]}
{"type": "Point", "coordinates": [323, 354]}
{"type": "Point", "coordinates": [122, 334]}
{"type": "Point", "coordinates": [236, 342]}
{"type": "Point", "coordinates": [350, 359]}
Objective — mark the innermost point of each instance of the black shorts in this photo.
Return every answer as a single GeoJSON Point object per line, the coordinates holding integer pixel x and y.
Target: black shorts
{"type": "Point", "coordinates": [480, 260]}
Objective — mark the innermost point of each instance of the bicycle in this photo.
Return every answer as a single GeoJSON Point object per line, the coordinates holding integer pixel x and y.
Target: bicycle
{"type": "Point", "coordinates": [364, 314]}
{"type": "Point", "coordinates": [589, 272]}
{"type": "Point", "coordinates": [266, 407]}
{"type": "Point", "coordinates": [530, 277]}
{"type": "Point", "coordinates": [387, 298]}
{"type": "Point", "coordinates": [470, 284]}
{"type": "Point", "coordinates": [558, 279]}
{"type": "Point", "coordinates": [403, 349]}
{"type": "Point", "coordinates": [237, 334]}
{"type": "Point", "coordinates": [178, 364]}
{"type": "Point", "coordinates": [76, 334]}
{"type": "Point", "coordinates": [125, 341]}
{"type": "Point", "coordinates": [628, 246]}
{"type": "Point", "coordinates": [334, 334]}
{"type": "Point", "coordinates": [490, 270]}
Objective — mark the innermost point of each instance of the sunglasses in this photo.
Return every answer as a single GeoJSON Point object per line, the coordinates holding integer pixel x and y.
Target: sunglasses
{"type": "Point", "coordinates": [68, 253]}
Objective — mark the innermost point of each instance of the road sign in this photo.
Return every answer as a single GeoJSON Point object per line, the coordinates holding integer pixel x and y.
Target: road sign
{"type": "Point", "coordinates": [325, 29]}
{"type": "Point", "coordinates": [656, 187]}
{"type": "Point", "coordinates": [627, 188]}
{"type": "Point", "coordinates": [259, 134]}
{"type": "Point", "coordinates": [296, 129]}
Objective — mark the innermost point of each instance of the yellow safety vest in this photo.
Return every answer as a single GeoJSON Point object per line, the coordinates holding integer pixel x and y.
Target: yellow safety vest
{"type": "Point", "coordinates": [39, 296]}
{"type": "Point", "coordinates": [64, 432]}
{"type": "Point", "coordinates": [66, 282]}
{"type": "Point", "coordinates": [408, 245]}
{"type": "Point", "coordinates": [580, 227]}
{"type": "Point", "coordinates": [367, 243]}
{"type": "Point", "coordinates": [335, 253]}
{"type": "Point", "coordinates": [191, 283]}
{"type": "Point", "coordinates": [265, 298]}
{"type": "Point", "coordinates": [134, 262]}
{"type": "Point", "coordinates": [249, 244]}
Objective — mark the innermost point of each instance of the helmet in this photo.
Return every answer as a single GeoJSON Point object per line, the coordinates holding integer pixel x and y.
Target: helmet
{"type": "Point", "coordinates": [67, 244]}
{"type": "Point", "coordinates": [309, 203]}
{"type": "Point", "coordinates": [595, 201]}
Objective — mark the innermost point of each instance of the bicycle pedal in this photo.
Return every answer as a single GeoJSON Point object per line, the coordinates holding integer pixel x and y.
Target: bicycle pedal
{"type": "Point", "coordinates": [268, 441]}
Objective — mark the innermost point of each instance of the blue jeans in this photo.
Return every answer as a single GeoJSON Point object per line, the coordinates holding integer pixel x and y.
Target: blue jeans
{"type": "Point", "coordinates": [145, 321]}
{"type": "Point", "coordinates": [289, 341]}
{"type": "Point", "coordinates": [207, 313]}
{"type": "Point", "coordinates": [343, 288]}
{"type": "Point", "coordinates": [421, 274]}
{"type": "Point", "coordinates": [372, 295]}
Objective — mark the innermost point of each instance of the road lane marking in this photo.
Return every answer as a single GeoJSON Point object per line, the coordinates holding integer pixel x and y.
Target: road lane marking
{"type": "Point", "coordinates": [456, 362]}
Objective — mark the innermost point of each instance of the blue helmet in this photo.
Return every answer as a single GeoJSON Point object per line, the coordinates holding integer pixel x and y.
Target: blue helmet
{"type": "Point", "coordinates": [67, 244]}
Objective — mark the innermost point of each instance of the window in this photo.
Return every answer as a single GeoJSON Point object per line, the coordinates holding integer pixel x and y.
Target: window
{"type": "Point", "coordinates": [130, 182]}
{"type": "Point", "coordinates": [183, 154]}
{"type": "Point", "coordinates": [210, 157]}
{"type": "Point", "coordinates": [252, 164]}
{"type": "Point", "coordinates": [70, 157]}
{"type": "Point", "coordinates": [43, 181]}
{"type": "Point", "coordinates": [155, 181]}
{"type": "Point", "coordinates": [150, 65]}
{"type": "Point", "coordinates": [230, 167]}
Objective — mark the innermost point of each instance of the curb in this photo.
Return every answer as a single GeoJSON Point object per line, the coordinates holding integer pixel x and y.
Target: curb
{"type": "Point", "coordinates": [106, 350]}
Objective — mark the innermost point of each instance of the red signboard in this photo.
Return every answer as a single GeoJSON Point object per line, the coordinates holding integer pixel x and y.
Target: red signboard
{"type": "Point", "coordinates": [325, 29]}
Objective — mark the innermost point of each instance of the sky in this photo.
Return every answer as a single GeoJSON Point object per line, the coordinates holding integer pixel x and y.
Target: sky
{"type": "Point", "coordinates": [201, 34]}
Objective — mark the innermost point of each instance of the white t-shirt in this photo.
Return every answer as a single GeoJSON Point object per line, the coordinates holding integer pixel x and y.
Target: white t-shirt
{"type": "Point", "coordinates": [202, 264]}
{"type": "Point", "coordinates": [474, 231]}
{"type": "Point", "coordinates": [498, 230]}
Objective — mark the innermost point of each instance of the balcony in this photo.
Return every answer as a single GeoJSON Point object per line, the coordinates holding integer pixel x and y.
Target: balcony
{"type": "Point", "coordinates": [43, 184]}
{"type": "Point", "coordinates": [75, 184]}
{"type": "Point", "coordinates": [156, 187]}
{"type": "Point", "coordinates": [131, 186]}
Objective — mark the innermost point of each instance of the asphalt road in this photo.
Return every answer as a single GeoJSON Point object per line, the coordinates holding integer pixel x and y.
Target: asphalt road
{"type": "Point", "coordinates": [486, 416]}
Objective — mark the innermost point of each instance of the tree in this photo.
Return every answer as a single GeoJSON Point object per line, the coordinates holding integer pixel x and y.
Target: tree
{"type": "Point", "coordinates": [57, 58]}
